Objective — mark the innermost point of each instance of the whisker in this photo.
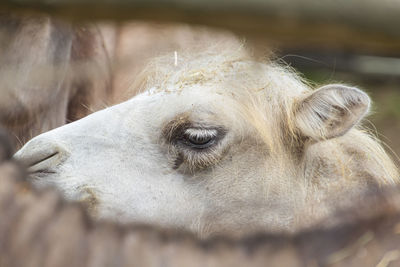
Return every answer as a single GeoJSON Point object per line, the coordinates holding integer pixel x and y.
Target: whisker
{"type": "Point", "coordinates": [303, 57]}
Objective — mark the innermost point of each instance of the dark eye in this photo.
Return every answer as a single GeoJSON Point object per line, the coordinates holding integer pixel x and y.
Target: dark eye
{"type": "Point", "coordinates": [200, 138]}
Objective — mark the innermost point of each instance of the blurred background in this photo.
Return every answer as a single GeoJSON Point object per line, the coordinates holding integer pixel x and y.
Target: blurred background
{"type": "Point", "coordinates": [106, 43]}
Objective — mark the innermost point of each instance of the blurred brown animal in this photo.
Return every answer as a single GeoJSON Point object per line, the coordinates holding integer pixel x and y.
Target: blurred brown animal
{"type": "Point", "coordinates": [51, 72]}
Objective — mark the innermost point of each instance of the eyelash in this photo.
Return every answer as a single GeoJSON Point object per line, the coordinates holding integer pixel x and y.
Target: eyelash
{"type": "Point", "coordinates": [199, 138]}
{"type": "Point", "coordinates": [200, 160]}
{"type": "Point", "coordinates": [201, 155]}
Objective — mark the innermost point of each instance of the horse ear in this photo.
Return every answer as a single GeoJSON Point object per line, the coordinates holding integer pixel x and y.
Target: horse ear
{"type": "Point", "coordinates": [331, 111]}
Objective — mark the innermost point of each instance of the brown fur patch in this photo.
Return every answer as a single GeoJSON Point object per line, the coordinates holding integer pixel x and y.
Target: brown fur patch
{"type": "Point", "coordinates": [90, 201]}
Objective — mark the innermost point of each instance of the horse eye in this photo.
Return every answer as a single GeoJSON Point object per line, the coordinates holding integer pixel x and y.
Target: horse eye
{"type": "Point", "coordinates": [200, 138]}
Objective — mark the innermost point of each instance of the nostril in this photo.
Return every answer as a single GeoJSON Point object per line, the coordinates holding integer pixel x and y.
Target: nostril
{"type": "Point", "coordinates": [41, 156]}
{"type": "Point", "coordinates": [44, 163]}
{"type": "Point", "coordinates": [43, 159]}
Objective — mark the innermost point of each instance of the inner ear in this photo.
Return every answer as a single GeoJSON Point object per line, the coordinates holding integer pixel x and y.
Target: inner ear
{"type": "Point", "coordinates": [330, 111]}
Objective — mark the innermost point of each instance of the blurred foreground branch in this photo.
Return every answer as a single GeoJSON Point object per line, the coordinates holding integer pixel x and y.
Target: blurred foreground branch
{"type": "Point", "coordinates": [40, 229]}
{"type": "Point", "coordinates": [365, 26]}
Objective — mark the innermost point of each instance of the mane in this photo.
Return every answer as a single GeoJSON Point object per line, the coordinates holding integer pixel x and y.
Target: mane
{"type": "Point", "coordinates": [257, 88]}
